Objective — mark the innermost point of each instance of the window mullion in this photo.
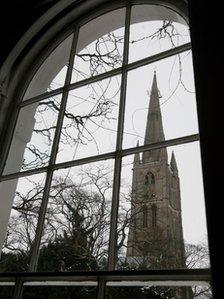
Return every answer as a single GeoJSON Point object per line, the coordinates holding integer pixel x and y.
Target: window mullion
{"type": "Point", "coordinates": [110, 155]}
{"type": "Point", "coordinates": [64, 99]}
{"type": "Point", "coordinates": [40, 223]}
{"type": "Point", "coordinates": [118, 159]}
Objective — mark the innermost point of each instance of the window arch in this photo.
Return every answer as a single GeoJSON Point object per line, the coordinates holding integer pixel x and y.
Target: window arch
{"type": "Point", "coordinates": [79, 92]}
{"type": "Point", "coordinates": [149, 179]}
{"type": "Point", "coordinates": [154, 215]}
{"type": "Point", "coordinates": [145, 216]}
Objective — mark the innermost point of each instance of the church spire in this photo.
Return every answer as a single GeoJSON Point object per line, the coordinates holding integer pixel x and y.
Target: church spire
{"type": "Point", "coordinates": [154, 126]}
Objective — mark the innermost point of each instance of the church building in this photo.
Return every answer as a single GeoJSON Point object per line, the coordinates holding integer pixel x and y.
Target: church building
{"type": "Point", "coordinates": [155, 239]}
{"type": "Point", "coordinates": [156, 234]}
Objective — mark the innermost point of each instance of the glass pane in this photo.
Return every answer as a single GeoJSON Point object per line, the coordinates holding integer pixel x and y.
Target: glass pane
{"type": "Point", "coordinates": [24, 207]}
{"type": "Point", "coordinates": [59, 292]}
{"type": "Point", "coordinates": [33, 136]}
{"type": "Point", "coordinates": [162, 215]}
{"type": "Point", "coordinates": [162, 104]}
{"type": "Point", "coordinates": [77, 221]}
{"type": "Point", "coordinates": [148, 290]}
{"type": "Point", "coordinates": [155, 29]}
{"type": "Point", "coordinates": [90, 121]}
{"type": "Point", "coordinates": [100, 46]}
{"type": "Point", "coordinates": [51, 74]}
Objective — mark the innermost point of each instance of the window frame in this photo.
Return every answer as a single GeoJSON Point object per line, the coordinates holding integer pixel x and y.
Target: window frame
{"type": "Point", "coordinates": [117, 155]}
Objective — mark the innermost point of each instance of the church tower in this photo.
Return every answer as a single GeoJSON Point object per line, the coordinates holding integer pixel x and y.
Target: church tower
{"type": "Point", "coordinates": [155, 239]}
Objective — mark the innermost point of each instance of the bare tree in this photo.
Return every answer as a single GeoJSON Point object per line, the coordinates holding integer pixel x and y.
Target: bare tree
{"type": "Point", "coordinates": [78, 209]}
{"type": "Point", "coordinates": [197, 256]}
{"type": "Point", "coordinates": [99, 99]}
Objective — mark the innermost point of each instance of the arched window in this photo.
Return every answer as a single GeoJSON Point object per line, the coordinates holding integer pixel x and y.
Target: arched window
{"type": "Point", "coordinates": [154, 215]}
{"type": "Point", "coordinates": [82, 101]}
{"type": "Point", "coordinates": [145, 216]}
{"type": "Point", "coordinates": [146, 179]}
{"type": "Point", "coordinates": [149, 179]}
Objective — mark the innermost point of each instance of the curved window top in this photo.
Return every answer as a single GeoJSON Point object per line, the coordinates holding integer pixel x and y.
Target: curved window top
{"type": "Point", "coordinates": [149, 179]}
{"type": "Point", "coordinates": [100, 45]}
{"type": "Point", "coordinates": [88, 65]}
{"type": "Point", "coordinates": [51, 74]}
{"type": "Point", "coordinates": [90, 102]}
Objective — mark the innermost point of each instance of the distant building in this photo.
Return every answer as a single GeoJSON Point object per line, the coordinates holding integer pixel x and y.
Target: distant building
{"type": "Point", "coordinates": [155, 239]}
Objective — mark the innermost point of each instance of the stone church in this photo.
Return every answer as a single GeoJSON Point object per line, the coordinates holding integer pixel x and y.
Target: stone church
{"type": "Point", "coordinates": [155, 239]}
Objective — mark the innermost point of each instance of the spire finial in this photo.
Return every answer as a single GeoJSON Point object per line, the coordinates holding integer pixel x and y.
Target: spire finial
{"type": "Point", "coordinates": [137, 156]}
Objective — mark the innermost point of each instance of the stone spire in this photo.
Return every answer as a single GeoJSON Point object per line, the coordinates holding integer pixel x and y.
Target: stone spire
{"type": "Point", "coordinates": [154, 126]}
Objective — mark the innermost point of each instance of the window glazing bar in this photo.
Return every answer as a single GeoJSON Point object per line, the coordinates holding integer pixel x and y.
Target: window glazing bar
{"type": "Point", "coordinates": [101, 287]}
{"type": "Point", "coordinates": [40, 224]}
{"type": "Point", "coordinates": [41, 97]}
{"type": "Point", "coordinates": [159, 56]}
{"type": "Point", "coordinates": [157, 283]}
{"type": "Point", "coordinates": [18, 289]}
{"type": "Point", "coordinates": [64, 99]}
{"type": "Point", "coordinates": [117, 169]}
{"type": "Point", "coordinates": [161, 144]}
{"type": "Point", "coordinates": [106, 156]}
{"type": "Point", "coordinates": [117, 71]}
{"type": "Point", "coordinates": [133, 65]}
{"type": "Point", "coordinates": [77, 283]}
{"type": "Point", "coordinates": [122, 283]}
{"type": "Point", "coordinates": [111, 276]}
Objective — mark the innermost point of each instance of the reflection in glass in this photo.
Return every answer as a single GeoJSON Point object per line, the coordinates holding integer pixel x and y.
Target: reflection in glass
{"type": "Point", "coordinates": [100, 46]}
{"type": "Point", "coordinates": [33, 136]}
{"type": "Point", "coordinates": [155, 29]}
{"type": "Point", "coordinates": [58, 292]}
{"type": "Point", "coordinates": [162, 225]}
{"type": "Point", "coordinates": [51, 74]}
{"type": "Point", "coordinates": [162, 101]}
{"type": "Point", "coordinates": [90, 120]}
{"type": "Point", "coordinates": [77, 221]}
{"type": "Point", "coordinates": [24, 206]}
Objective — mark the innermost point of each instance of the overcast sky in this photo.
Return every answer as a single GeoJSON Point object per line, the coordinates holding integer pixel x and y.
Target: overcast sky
{"type": "Point", "coordinates": [178, 113]}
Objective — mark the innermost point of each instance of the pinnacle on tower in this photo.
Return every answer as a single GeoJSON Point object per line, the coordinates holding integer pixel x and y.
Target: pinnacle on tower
{"type": "Point", "coordinates": [137, 156]}
{"type": "Point", "coordinates": [154, 126]}
{"type": "Point", "coordinates": [173, 163]}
